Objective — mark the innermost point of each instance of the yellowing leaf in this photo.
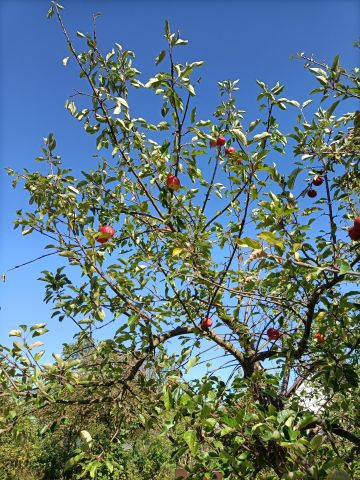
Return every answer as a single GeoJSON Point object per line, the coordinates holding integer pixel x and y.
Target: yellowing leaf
{"type": "Point", "coordinates": [17, 345]}
{"type": "Point", "coordinates": [248, 242]}
{"type": "Point", "coordinates": [177, 251]}
{"type": "Point", "coordinates": [35, 345]}
{"type": "Point", "coordinates": [271, 238]}
{"type": "Point", "coordinates": [86, 438]}
{"type": "Point", "coordinates": [15, 333]}
{"type": "Point", "coordinates": [193, 361]}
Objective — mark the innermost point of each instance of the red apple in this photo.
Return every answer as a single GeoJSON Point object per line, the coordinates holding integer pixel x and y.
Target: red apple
{"type": "Point", "coordinates": [312, 193]}
{"type": "Point", "coordinates": [354, 234]}
{"type": "Point", "coordinates": [230, 151]}
{"type": "Point", "coordinates": [206, 323]}
{"type": "Point", "coordinates": [319, 337]}
{"type": "Point", "coordinates": [357, 223]}
{"type": "Point", "coordinates": [106, 232]}
{"type": "Point", "coordinates": [318, 180]}
{"type": "Point", "coordinates": [213, 143]}
{"type": "Point", "coordinates": [173, 182]}
{"type": "Point", "coordinates": [220, 142]}
{"type": "Point", "coordinates": [273, 334]}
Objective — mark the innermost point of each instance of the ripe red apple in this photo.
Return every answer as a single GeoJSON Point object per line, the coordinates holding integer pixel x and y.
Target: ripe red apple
{"type": "Point", "coordinates": [106, 232]}
{"type": "Point", "coordinates": [318, 180]}
{"type": "Point", "coordinates": [220, 142]}
{"type": "Point", "coordinates": [319, 337]}
{"type": "Point", "coordinates": [230, 151]}
{"type": "Point", "coordinates": [354, 234]}
{"type": "Point", "coordinates": [173, 182]}
{"type": "Point", "coordinates": [206, 323]}
{"type": "Point", "coordinates": [213, 143]}
{"type": "Point", "coordinates": [357, 223]}
{"type": "Point", "coordinates": [273, 334]}
{"type": "Point", "coordinates": [312, 193]}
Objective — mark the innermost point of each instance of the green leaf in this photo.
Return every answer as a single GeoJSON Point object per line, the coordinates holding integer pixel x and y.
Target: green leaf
{"type": "Point", "coordinates": [73, 461]}
{"type": "Point", "coordinates": [254, 124]}
{"type": "Point", "coordinates": [316, 441]}
{"type": "Point", "coordinates": [67, 253]}
{"type": "Point", "coordinates": [306, 420]}
{"type": "Point", "coordinates": [36, 326]}
{"type": "Point", "coordinates": [318, 71]}
{"type": "Point", "coordinates": [167, 29]}
{"type": "Point", "coordinates": [344, 266]}
{"type": "Point", "coordinates": [191, 440]}
{"type": "Point", "coordinates": [290, 102]}
{"type": "Point", "coordinates": [331, 109]}
{"type": "Point", "coordinates": [73, 189]}
{"type": "Point", "coordinates": [181, 41]}
{"type": "Point", "coordinates": [190, 89]}
{"type": "Point", "coordinates": [292, 177]}
{"type": "Point", "coordinates": [39, 355]}
{"type": "Point", "coordinates": [167, 400]}
{"type": "Point", "coordinates": [261, 136]}
{"type": "Point", "coordinates": [119, 103]}
{"type": "Point", "coordinates": [283, 415]}
{"type": "Point", "coordinates": [27, 231]}
{"type": "Point", "coordinates": [240, 135]}
{"type": "Point", "coordinates": [160, 57]}
{"type": "Point", "coordinates": [335, 63]}
{"type": "Point", "coordinates": [50, 12]}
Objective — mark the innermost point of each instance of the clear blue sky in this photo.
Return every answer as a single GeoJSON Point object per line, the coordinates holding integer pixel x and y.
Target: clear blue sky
{"type": "Point", "coordinates": [237, 39]}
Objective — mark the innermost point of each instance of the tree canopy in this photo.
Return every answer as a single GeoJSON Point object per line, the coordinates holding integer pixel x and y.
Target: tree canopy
{"type": "Point", "coordinates": [226, 245]}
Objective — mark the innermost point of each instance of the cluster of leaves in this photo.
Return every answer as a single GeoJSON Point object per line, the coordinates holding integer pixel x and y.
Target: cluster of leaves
{"type": "Point", "coordinates": [73, 438]}
{"type": "Point", "coordinates": [239, 242]}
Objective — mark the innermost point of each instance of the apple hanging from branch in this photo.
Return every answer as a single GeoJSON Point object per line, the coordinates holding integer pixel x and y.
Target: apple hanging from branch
{"type": "Point", "coordinates": [106, 232]}
{"type": "Point", "coordinates": [319, 337]}
{"type": "Point", "coordinates": [206, 323]}
{"type": "Point", "coordinates": [318, 180]}
{"type": "Point", "coordinates": [220, 142]}
{"type": "Point", "coordinates": [312, 193]}
{"type": "Point", "coordinates": [173, 183]}
{"type": "Point", "coordinates": [273, 334]}
{"type": "Point", "coordinates": [229, 151]}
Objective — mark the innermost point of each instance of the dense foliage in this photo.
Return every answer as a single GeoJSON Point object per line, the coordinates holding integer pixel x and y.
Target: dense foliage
{"type": "Point", "coordinates": [232, 221]}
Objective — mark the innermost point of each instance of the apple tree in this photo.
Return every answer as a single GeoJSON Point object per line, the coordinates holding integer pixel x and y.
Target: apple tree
{"type": "Point", "coordinates": [226, 247]}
